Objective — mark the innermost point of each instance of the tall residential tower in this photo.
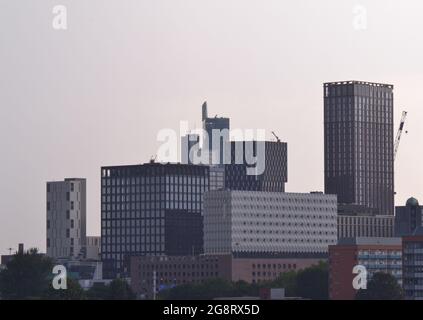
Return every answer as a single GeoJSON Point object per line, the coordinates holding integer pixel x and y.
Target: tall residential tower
{"type": "Point", "coordinates": [359, 155]}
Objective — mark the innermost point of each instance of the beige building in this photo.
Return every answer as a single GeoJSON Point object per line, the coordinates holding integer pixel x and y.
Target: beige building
{"type": "Point", "coordinates": [365, 225]}
{"type": "Point", "coordinates": [93, 248]}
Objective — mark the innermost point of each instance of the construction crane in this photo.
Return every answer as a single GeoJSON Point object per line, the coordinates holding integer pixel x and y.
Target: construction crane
{"type": "Point", "coordinates": [277, 138]}
{"type": "Point", "coordinates": [399, 133]}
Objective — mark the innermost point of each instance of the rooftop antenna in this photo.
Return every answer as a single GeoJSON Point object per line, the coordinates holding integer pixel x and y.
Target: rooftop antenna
{"type": "Point", "coordinates": [10, 251]}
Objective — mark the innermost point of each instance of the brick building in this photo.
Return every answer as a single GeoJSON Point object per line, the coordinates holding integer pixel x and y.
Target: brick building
{"type": "Point", "coordinates": [170, 271]}
{"type": "Point", "coordinates": [376, 254]}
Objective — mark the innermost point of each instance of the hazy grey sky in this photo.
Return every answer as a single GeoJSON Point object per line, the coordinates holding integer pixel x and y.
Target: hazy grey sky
{"type": "Point", "coordinates": [98, 93]}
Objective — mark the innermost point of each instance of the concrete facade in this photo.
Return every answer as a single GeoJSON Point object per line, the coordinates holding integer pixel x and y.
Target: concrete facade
{"type": "Point", "coordinates": [66, 218]}
{"type": "Point", "coordinates": [269, 223]}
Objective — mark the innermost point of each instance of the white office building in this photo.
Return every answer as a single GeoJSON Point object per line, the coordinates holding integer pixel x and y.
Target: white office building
{"type": "Point", "coordinates": [66, 218]}
{"type": "Point", "coordinates": [251, 223]}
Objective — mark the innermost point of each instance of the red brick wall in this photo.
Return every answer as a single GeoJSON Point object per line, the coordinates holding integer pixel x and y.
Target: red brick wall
{"type": "Point", "coordinates": [342, 260]}
{"type": "Point", "coordinates": [242, 268]}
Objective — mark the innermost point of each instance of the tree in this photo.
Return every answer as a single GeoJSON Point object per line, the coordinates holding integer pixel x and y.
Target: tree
{"type": "Point", "coordinates": [288, 281]}
{"type": "Point", "coordinates": [72, 292]}
{"type": "Point", "coordinates": [98, 291]}
{"type": "Point", "coordinates": [312, 282]}
{"type": "Point", "coordinates": [382, 286]}
{"type": "Point", "coordinates": [209, 289]}
{"type": "Point", "coordinates": [119, 289]}
{"type": "Point", "coordinates": [26, 276]}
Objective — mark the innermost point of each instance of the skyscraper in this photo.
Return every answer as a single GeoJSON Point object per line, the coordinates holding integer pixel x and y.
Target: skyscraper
{"type": "Point", "coordinates": [66, 218]}
{"type": "Point", "coordinates": [220, 128]}
{"type": "Point", "coordinates": [358, 129]}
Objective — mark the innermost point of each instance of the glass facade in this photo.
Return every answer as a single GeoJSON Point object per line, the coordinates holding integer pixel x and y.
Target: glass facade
{"type": "Point", "coordinates": [139, 206]}
{"type": "Point", "coordinates": [275, 173]}
{"type": "Point", "coordinates": [413, 267]}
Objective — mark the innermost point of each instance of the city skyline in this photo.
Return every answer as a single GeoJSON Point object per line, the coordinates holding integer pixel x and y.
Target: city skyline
{"type": "Point", "coordinates": [61, 128]}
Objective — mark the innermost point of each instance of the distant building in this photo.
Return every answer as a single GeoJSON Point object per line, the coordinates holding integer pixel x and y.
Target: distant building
{"type": "Point", "coordinates": [408, 218]}
{"type": "Point", "coordinates": [164, 272]}
{"type": "Point", "coordinates": [188, 142]}
{"type": "Point", "coordinates": [66, 218]}
{"type": "Point", "coordinates": [5, 259]}
{"type": "Point", "coordinates": [86, 272]}
{"type": "Point", "coordinates": [358, 133]}
{"type": "Point", "coordinates": [150, 209]}
{"type": "Point", "coordinates": [217, 177]}
{"type": "Point", "coordinates": [275, 167]}
{"type": "Point", "coordinates": [269, 224]}
{"type": "Point", "coordinates": [219, 127]}
{"type": "Point", "coordinates": [375, 254]}
{"type": "Point", "coordinates": [412, 264]}
{"type": "Point", "coordinates": [93, 248]}
{"type": "Point", "coordinates": [352, 226]}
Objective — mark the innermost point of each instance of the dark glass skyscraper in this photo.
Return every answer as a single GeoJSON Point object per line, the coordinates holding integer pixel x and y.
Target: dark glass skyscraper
{"type": "Point", "coordinates": [151, 209]}
{"type": "Point", "coordinates": [359, 159]}
{"type": "Point", "coordinates": [274, 175]}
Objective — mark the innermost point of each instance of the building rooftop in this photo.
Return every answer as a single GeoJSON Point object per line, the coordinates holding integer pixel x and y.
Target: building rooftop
{"type": "Point", "coordinates": [369, 241]}
{"type": "Point", "coordinates": [412, 202]}
{"type": "Point", "coordinates": [373, 84]}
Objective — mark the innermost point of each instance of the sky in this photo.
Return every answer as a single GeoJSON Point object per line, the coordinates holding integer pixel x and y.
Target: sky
{"type": "Point", "coordinates": [99, 92]}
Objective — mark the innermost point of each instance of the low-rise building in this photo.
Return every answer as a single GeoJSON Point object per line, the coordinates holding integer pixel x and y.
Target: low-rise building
{"type": "Point", "coordinates": [375, 254]}
{"type": "Point", "coordinates": [163, 272]}
{"type": "Point", "coordinates": [412, 265]}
